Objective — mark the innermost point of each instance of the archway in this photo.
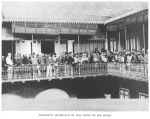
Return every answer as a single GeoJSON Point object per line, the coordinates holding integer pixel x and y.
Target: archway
{"type": "Point", "coordinates": [52, 94]}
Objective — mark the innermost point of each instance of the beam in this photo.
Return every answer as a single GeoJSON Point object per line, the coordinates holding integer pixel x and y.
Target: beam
{"type": "Point", "coordinates": [12, 46]}
{"type": "Point", "coordinates": [119, 42]}
{"type": "Point", "coordinates": [125, 34]}
{"type": "Point", "coordinates": [106, 42]}
{"type": "Point", "coordinates": [32, 44]}
{"type": "Point", "coordinates": [78, 43]}
{"type": "Point", "coordinates": [144, 37]}
{"type": "Point", "coordinates": [58, 45]}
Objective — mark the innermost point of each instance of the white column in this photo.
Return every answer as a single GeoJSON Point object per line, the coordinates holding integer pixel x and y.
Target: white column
{"type": "Point", "coordinates": [32, 43]}
{"type": "Point", "coordinates": [106, 42]}
{"type": "Point", "coordinates": [144, 37]}
{"type": "Point", "coordinates": [125, 38]}
{"type": "Point", "coordinates": [58, 45]}
{"type": "Point", "coordinates": [70, 45]}
{"type": "Point", "coordinates": [119, 48]}
{"type": "Point", "coordinates": [78, 43]}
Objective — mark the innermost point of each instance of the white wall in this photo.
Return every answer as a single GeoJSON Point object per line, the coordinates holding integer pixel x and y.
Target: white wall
{"type": "Point", "coordinates": [88, 46]}
{"type": "Point", "coordinates": [24, 47]}
{"type": "Point", "coordinates": [62, 47]}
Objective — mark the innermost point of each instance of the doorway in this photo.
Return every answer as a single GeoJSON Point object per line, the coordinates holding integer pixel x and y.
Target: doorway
{"type": "Point", "coordinates": [47, 47]}
{"type": "Point", "coordinates": [8, 47]}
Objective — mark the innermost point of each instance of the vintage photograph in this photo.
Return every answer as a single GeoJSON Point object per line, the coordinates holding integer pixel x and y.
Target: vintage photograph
{"type": "Point", "coordinates": [74, 56]}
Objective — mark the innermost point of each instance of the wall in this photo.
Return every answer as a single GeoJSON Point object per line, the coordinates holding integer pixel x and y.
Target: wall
{"type": "Point", "coordinates": [88, 45]}
{"type": "Point", "coordinates": [91, 87]}
{"type": "Point", "coordinates": [62, 47]}
{"type": "Point", "coordinates": [24, 47]}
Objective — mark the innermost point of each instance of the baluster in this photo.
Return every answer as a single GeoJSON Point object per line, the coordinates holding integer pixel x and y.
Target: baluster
{"type": "Point", "coordinates": [71, 70]}
{"type": "Point", "coordinates": [79, 69]}
{"type": "Point", "coordinates": [65, 69]}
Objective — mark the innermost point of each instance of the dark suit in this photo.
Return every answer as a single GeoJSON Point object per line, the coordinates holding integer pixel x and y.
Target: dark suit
{"type": "Point", "coordinates": [15, 62]}
{"type": "Point", "coordinates": [110, 58]}
{"type": "Point", "coordinates": [20, 60]}
{"type": "Point", "coordinates": [70, 60]}
{"type": "Point", "coordinates": [125, 58]}
{"type": "Point", "coordinates": [25, 60]}
{"type": "Point", "coordinates": [3, 64]}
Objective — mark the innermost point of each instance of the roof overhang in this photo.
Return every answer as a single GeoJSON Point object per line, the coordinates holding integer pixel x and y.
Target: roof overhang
{"type": "Point", "coordinates": [69, 12]}
{"type": "Point", "coordinates": [123, 15]}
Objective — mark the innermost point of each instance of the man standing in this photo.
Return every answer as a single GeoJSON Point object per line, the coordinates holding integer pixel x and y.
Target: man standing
{"type": "Point", "coordinates": [3, 63]}
{"type": "Point", "coordinates": [69, 62]}
{"type": "Point", "coordinates": [9, 64]}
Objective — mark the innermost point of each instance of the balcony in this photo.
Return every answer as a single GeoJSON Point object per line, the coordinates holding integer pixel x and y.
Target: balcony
{"type": "Point", "coordinates": [48, 72]}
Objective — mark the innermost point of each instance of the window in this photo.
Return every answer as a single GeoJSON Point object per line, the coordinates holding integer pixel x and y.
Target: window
{"type": "Point", "coordinates": [127, 43]}
{"type": "Point", "coordinates": [124, 93]}
{"type": "Point", "coordinates": [132, 43]}
{"type": "Point", "coordinates": [143, 96]}
{"type": "Point", "coordinates": [112, 44]}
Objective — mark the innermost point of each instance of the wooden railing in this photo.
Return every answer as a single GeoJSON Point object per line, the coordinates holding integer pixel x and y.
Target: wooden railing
{"type": "Point", "coordinates": [40, 72]}
{"type": "Point", "coordinates": [130, 71]}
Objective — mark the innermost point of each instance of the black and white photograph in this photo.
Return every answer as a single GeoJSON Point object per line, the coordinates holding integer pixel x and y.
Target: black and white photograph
{"type": "Point", "coordinates": [74, 56]}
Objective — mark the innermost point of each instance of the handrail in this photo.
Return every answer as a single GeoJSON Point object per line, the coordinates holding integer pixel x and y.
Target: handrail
{"type": "Point", "coordinates": [47, 71]}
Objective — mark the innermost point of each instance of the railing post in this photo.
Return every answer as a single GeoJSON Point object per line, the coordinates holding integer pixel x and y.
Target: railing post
{"type": "Point", "coordinates": [120, 68]}
{"type": "Point", "coordinates": [71, 69]}
{"type": "Point", "coordinates": [55, 71]}
{"type": "Point", "coordinates": [65, 69]}
{"type": "Point", "coordinates": [106, 69]}
{"type": "Point", "coordinates": [144, 71]}
{"type": "Point", "coordinates": [79, 69]}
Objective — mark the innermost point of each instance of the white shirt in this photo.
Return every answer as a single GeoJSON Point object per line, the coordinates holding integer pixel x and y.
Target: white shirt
{"type": "Point", "coordinates": [76, 60]}
{"type": "Point", "coordinates": [122, 59]}
{"type": "Point", "coordinates": [9, 61]}
{"type": "Point", "coordinates": [104, 58]}
{"type": "Point", "coordinates": [84, 59]}
{"type": "Point", "coordinates": [95, 59]}
{"type": "Point", "coordinates": [129, 58]}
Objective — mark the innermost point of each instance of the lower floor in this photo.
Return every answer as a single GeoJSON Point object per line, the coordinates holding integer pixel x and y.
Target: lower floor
{"type": "Point", "coordinates": [81, 88]}
{"type": "Point", "coordinates": [46, 47]}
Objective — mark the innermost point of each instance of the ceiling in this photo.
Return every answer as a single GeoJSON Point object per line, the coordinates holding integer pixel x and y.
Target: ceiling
{"type": "Point", "coordinates": [69, 12]}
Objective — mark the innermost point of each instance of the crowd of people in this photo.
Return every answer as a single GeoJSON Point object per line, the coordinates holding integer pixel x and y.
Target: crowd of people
{"type": "Point", "coordinates": [51, 60]}
{"type": "Point", "coordinates": [69, 58]}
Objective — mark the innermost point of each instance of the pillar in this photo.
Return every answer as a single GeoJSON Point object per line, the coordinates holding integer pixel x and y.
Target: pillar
{"type": "Point", "coordinates": [58, 45]}
{"type": "Point", "coordinates": [119, 48]}
{"type": "Point", "coordinates": [70, 45]}
{"type": "Point", "coordinates": [125, 45]}
{"type": "Point", "coordinates": [144, 37]}
{"type": "Point", "coordinates": [32, 45]}
{"type": "Point", "coordinates": [78, 44]}
{"type": "Point", "coordinates": [106, 42]}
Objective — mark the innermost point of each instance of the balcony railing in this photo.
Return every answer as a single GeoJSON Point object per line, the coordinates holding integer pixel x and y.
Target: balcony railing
{"type": "Point", "coordinates": [130, 71]}
{"type": "Point", "coordinates": [42, 72]}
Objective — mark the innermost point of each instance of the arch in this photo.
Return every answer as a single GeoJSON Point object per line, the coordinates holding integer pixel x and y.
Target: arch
{"type": "Point", "coordinates": [52, 94]}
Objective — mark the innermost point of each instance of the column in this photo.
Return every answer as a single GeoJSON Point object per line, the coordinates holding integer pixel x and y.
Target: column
{"type": "Point", "coordinates": [106, 42]}
{"type": "Point", "coordinates": [119, 48]}
{"type": "Point", "coordinates": [144, 37]}
{"type": "Point", "coordinates": [70, 45]}
{"type": "Point", "coordinates": [125, 47]}
{"type": "Point", "coordinates": [12, 46]}
{"type": "Point", "coordinates": [58, 45]}
{"type": "Point", "coordinates": [32, 44]}
{"type": "Point", "coordinates": [78, 44]}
